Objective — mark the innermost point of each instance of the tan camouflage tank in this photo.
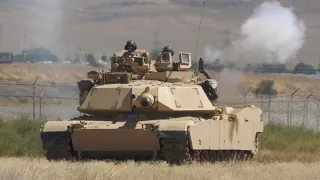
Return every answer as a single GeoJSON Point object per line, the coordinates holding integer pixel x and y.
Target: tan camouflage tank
{"type": "Point", "coordinates": [145, 109]}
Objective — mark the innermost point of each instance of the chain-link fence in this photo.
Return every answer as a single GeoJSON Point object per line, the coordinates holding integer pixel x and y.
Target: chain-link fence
{"type": "Point", "coordinates": [287, 108]}
{"type": "Point", "coordinates": [61, 101]}
{"type": "Point", "coordinates": [45, 100]}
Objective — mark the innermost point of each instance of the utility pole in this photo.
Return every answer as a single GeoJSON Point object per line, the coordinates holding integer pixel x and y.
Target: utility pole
{"type": "Point", "coordinates": [1, 35]}
{"type": "Point", "coordinates": [156, 41]}
{"type": "Point", "coordinates": [22, 46]}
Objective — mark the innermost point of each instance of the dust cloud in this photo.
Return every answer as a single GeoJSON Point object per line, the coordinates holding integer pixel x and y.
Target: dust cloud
{"type": "Point", "coordinates": [211, 54]}
{"type": "Point", "coordinates": [230, 86]}
{"type": "Point", "coordinates": [272, 34]}
{"type": "Point", "coordinates": [45, 27]}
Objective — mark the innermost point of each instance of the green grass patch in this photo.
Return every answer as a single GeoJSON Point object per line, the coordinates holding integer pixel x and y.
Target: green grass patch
{"type": "Point", "coordinates": [278, 137]}
{"type": "Point", "coordinates": [20, 137]}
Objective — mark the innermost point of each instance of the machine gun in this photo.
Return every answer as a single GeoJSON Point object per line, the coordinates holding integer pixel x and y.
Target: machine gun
{"type": "Point", "coordinates": [210, 86]}
{"type": "Point", "coordinates": [136, 62]}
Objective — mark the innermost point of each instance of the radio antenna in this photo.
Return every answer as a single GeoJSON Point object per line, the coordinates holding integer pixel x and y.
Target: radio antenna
{"type": "Point", "coordinates": [204, 4]}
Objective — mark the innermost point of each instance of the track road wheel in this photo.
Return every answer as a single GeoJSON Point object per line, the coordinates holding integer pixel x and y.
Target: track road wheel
{"type": "Point", "coordinates": [175, 151]}
{"type": "Point", "coordinates": [58, 149]}
{"type": "Point", "coordinates": [256, 145]}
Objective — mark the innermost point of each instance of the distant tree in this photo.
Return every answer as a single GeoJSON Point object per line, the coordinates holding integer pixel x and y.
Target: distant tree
{"type": "Point", "coordinates": [35, 55]}
{"type": "Point", "coordinates": [218, 67]}
{"type": "Point", "coordinates": [266, 68]}
{"type": "Point", "coordinates": [231, 65]}
{"type": "Point", "coordinates": [265, 87]}
{"type": "Point", "coordinates": [37, 50]}
{"type": "Point", "coordinates": [303, 68]}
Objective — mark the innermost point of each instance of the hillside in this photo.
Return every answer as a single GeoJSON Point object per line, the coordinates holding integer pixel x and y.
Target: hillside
{"type": "Point", "coordinates": [103, 26]}
{"type": "Point", "coordinates": [27, 73]}
{"type": "Point", "coordinates": [229, 81]}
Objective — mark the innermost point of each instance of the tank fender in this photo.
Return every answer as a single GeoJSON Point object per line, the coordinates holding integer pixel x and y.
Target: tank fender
{"type": "Point", "coordinates": [200, 135]}
{"type": "Point", "coordinates": [55, 129]}
{"type": "Point", "coordinates": [170, 129]}
{"type": "Point", "coordinates": [251, 113]}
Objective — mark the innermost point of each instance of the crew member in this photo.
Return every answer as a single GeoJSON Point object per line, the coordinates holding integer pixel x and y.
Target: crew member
{"type": "Point", "coordinates": [168, 49]}
{"type": "Point", "coordinates": [130, 47]}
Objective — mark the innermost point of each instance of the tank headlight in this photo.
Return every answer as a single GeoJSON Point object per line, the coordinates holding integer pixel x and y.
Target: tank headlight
{"type": "Point", "coordinates": [146, 100]}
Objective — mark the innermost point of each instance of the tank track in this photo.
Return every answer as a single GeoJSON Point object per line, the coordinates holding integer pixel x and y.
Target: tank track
{"type": "Point", "coordinates": [173, 151]}
{"type": "Point", "coordinates": [59, 149]}
{"type": "Point", "coordinates": [178, 151]}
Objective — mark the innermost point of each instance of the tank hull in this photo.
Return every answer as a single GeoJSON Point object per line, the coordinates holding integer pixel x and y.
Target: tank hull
{"type": "Point", "coordinates": [175, 140]}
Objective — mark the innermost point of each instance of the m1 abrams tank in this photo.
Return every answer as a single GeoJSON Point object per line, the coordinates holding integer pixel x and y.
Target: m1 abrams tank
{"type": "Point", "coordinates": [169, 113]}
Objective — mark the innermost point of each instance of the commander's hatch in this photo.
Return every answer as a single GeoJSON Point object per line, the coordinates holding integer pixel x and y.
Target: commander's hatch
{"type": "Point", "coordinates": [164, 62]}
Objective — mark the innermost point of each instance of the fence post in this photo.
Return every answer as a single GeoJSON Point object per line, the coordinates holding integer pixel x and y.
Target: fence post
{"type": "Point", "coordinates": [269, 104]}
{"type": "Point", "coordinates": [269, 108]}
{"type": "Point", "coordinates": [34, 101]}
{"type": "Point", "coordinates": [289, 115]}
{"type": "Point", "coordinates": [40, 104]}
{"type": "Point", "coordinates": [318, 116]}
{"type": "Point", "coordinates": [245, 97]}
{"type": "Point", "coordinates": [306, 110]}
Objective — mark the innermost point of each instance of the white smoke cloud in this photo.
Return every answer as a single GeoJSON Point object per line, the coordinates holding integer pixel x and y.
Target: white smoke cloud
{"type": "Point", "coordinates": [211, 54]}
{"type": "Point", "coordinates": [45, 26]}
{"type": "Point", "coordinates": [272, 33]}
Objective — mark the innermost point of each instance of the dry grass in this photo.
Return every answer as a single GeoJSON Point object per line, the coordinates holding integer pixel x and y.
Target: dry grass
{"type": "Point", "coordinates": [286, 83]}
{"type": "Point", "coordinates": [15, 73]}
{"type": "Point", "coordinates": [20, 73]}
{"type": "Point", "coordinates": [38, 168]}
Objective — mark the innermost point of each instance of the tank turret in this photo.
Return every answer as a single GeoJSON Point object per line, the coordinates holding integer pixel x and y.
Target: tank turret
{"type": "Point", "coordinates": [157, 109]}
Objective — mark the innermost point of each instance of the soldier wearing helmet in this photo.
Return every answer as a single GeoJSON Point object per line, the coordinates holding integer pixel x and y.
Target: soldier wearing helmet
{"type": "Point", "coordinates": [168, 49]}
{"type": "Point", "coordinates": [165, 57]}
{"type": "Point", "coordinates": [130, 46]}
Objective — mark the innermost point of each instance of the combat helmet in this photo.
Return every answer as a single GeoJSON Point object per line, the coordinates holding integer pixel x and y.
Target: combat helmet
{"type": "Point", "coordinates": [129, 44]}
{"type": "Point", "coordinates": [168, 49]}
